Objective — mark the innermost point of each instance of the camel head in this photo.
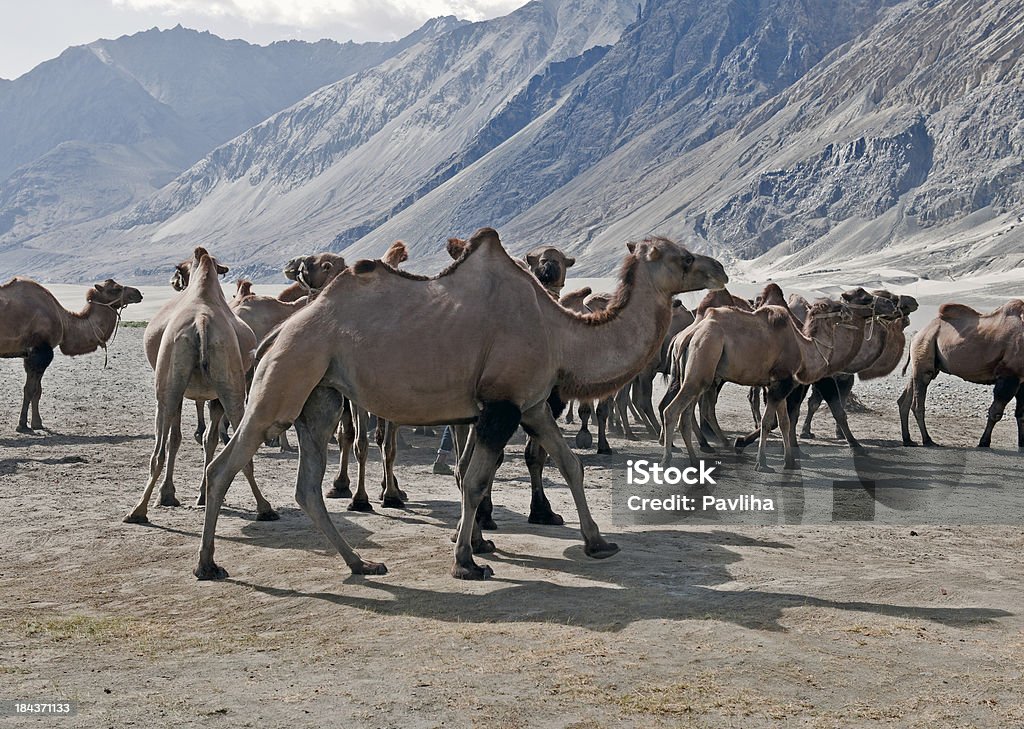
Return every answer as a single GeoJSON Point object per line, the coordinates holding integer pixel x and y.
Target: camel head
{"type": "Point", "coordinates": [111, 293]}
{"type": "Point", "coordinates": [574, 299]}
{"type": "Point", "coordinates": [550, 266]}
{"type": "Point", "coordinates": [906, 305]}
{"type": "Point", "coordinates": [672, 268]}
{"type": "Point", "coordinates": [315, 271]}
{"type": "Point", "coordinates": [880, 306]}
{"type": "Point", "coordinates": [183, 271]}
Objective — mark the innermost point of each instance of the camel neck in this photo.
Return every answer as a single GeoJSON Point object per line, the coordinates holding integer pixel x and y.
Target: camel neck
{"type": "Point", "coordinates": [87, 330]}
{"type": "Point", "coordinates": [605, 351]}
{"type": "Point", "coordinates": [817, 347]}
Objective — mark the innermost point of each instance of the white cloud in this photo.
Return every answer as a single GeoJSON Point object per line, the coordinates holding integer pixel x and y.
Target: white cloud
{"type": "Point", "coordinates": [313, 13]}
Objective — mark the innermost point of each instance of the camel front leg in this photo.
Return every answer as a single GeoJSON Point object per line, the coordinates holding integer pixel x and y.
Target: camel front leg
{"type": "Point", "coordinates": [392, 497]}
{"type": "Point", "coordinates": [346, 438]}
{"type": "Point", "coordinates": [813, 403]}
{"type": "Point", "coordinates": [621, 401]}
{"type": "Point", "coordinates": [210, 445]}
{"type": "Point", "coordinates": [1005, 390]}
{"type": "Point", "coordinates": [786, 427]}
{"type": "Point", "coordinates": [754, 398]}
{"type": "Point", "coordinates": [36, 362]}
{"type": "Point", "coordinates": [775, 397]}
{"type": "Point", "coordinates": [538, 422]}
{"type": "Point", "coordinates": [496, 424]}
{"type": "Point", "coordinates": [234, 409]}
{"type": "Point", "coordinates": [540, 507]}
{"type": "Point", "coordinates": [583, 438]}
{"type": "Point", "coordinates": [200, 430]}
{"type": "Point", "coordinates": [833, 398]}
{"type": "Point", "coordinates": [360, 501]}
{"type": "Point", "coordinates": [603, 410]}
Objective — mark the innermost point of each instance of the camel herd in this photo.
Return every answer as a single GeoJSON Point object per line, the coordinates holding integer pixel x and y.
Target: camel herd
{"type": "Point", "coordinates": [315, 359]}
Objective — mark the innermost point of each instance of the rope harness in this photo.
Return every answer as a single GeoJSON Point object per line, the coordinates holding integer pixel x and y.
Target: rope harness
{"type": "Point", "coordinates": [117, 309]}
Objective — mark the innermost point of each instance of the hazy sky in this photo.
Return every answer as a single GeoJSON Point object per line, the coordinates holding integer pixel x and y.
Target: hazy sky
{"type": "Point", "coordinates": [32, 32]}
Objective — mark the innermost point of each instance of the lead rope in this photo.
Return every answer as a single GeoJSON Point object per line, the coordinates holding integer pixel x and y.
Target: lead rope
{"type": "Point", "coordinates": [117, 325]}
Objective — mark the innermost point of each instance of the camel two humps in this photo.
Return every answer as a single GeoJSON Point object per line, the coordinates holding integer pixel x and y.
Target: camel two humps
{"type": "Point", "coordinates": [455, 366]}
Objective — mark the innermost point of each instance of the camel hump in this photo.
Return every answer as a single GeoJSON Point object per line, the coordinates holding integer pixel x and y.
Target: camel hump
{"type": "Point", "coordinates": [199, 252]}
{"type": "Point", "coordinates": [398, 253]}
{"type": "Point", "coordinates": [777, 316]}
{"type": "Point", "coordinates": [364, 266]}
{"type": "Point", "coordinates": [950, 312]}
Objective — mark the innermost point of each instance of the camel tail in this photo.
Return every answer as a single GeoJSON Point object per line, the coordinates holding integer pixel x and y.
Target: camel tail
{"type": "Point", "coordinates": [202, 324]}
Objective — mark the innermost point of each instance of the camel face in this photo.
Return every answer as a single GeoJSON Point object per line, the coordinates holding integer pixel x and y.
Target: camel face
{"type": "Point", "coordinates": [881, 306]}
{"type": "Point", "coordinates": [316, 271]}
{"type": "Point", "coordinates": [550, 266]}
{"type": "Point", "coordinates": [111, 293]}
{"type": "Point", "coordinates": [183, 272]}
{"type": "Point", "coordinates": [674, 269]}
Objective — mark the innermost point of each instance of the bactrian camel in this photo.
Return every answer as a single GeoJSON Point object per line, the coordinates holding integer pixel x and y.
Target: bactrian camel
{"type": "Point", "coordinates": [455, 366]}
{"type": "Point", "coordinates": [198, 349]}
{"type": "Point", "coordinates": [763, 347]}
{"type": "Point", "coordinates": [34, 324]}
{"type": "Point", "coordinates": [880, 354]}
{"type": "Point", "coordinates": [987, 349]}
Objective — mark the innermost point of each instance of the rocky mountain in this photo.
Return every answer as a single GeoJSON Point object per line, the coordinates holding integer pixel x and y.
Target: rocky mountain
{"type": "Point", "coordinates": [792, 137]}
{"type": "Point", "coordinates": [108, 123]}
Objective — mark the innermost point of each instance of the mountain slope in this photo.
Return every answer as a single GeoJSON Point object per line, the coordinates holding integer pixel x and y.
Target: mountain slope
{"type": "Point", "coordinates": [163, 98]}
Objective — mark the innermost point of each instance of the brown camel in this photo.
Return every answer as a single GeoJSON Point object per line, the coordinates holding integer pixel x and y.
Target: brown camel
{"type": "Point", "coordinates": [879, 355]}
{"type": "Point", "coordinates": [34, 324]}
{"type": "Point", "coordinates": [719, 346]}
{"type": "Point", "coordinates": [456, 366]}
{"type": "Point", "coordinates": [199, 350]}
{"type": "Point", "coordinates": [987, 349]}
{"type": "Point", "coordinates": [864, 314]}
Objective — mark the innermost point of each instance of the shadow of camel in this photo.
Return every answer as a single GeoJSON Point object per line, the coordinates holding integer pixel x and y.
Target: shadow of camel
{"type": "Point", "coordinates": [52, 438]}
{"type": "Point", "coordinates": [9, 465]}
{"type": "Point", "coordinates": [642, 584]}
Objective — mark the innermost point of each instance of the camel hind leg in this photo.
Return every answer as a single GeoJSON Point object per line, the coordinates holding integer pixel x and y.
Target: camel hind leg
{"type": "Point", "coordinates": [200, 430]}
{"type": "Point", "coordinates": [604, 408]}
{"type": "Point", "coordinates": [584, 439]}
{"type": "Point", "coordinates": [540, 508]}
{"type": "Point", "coordinates": [1019, 415]}
{"type": "Point", "coordinates": [813, 403]}
{"type": "Point", "coordinates": [622, 401]}
{"type": "Point", "coordinates": [540, 423]}
{"type": "Point", "coordinates": [36, 362]}
{"type": "Point", "coordinates": [917, 403]}
{"type": "Point", "coordinates": [1005, 389]}
{"type": "Point", "coordinates": [314, 427]}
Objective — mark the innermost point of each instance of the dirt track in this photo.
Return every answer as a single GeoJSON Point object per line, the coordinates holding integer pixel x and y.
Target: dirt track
{"type": "Point", "coordinates": [830, 625]}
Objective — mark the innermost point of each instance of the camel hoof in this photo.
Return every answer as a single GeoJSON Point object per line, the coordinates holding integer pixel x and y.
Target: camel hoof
{"type": "Point", "coordinates": [134, 518]}
{"type": "Point", "coordinates": [472, 571]}
{"type": "Point", "coordinates": [738, 445]}
{"type": "Point", "coordinates": [391, 502]}
{"type": "Point", "coordinates": [210, 572]}
{"type": "Point", "coordinates": [365, 567]}
{"type": "Point", "coordinates": [169, 500]}
{"type": "Point", "coordinates": [907, 443]}
{"type": "Point", "coordinates": [546, 517]}
{"type": "Point", "coordinates": [338, 492]}
{"type": "Point", "coordinates": [360, 506]}
{"type": "Point", "coordinates": [201, 500]}
{"type": "Point", "coordinates": [486, 522]}
{"type": "Point", "coordinates": [605, 451]}
{"type": "Point", "coordinates": [808, 435]}
{"type": "Point", "coordinates": [270, 515]}
{"type": "Point", "coordinates": [24, 429]}
{"type": "Point", "coordinates": [484, 546]}
{"type": "Point", "coordinates": [764, 468]}
{"type": "Point", "coordinates": [931, 444]}
{"type": "Point", "coordinates": [859, 450]}
{"type": "Point", "coordinates": [706, 449]}
{"type": "Point", "coordinates": [984, 443]}
{"type": "Point", "coordinates": [402, 495]}
{"type": "Point", "coordinates": [602, 550]}
{"type": "Point", "coordinates": [584, 440]}
{"type": "Point", "coordinates": [795, 466]}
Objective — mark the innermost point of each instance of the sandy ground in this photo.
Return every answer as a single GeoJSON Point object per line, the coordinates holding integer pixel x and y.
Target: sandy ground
{"type": "Point", "coordinates": [718, 626]}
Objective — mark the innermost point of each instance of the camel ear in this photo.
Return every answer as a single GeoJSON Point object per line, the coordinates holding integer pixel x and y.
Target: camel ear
{"type": "Point", "coordinates": [98, 287]}
{"type": "Point", "coordinates": [326, 266]}
{"type": "Point", "coordinates": [532, 259]}
{"type": "Point", "coordinates": [631, 246]}
{"type": "Point", "coordinates": [569, 262]}
{"type": "Point", "coordinates": [221, 270]}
